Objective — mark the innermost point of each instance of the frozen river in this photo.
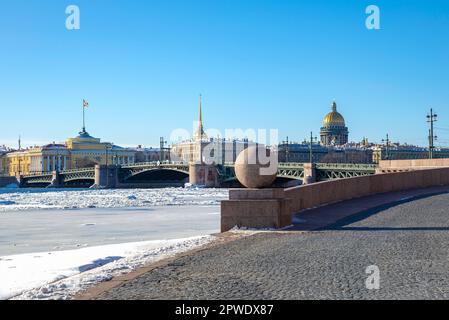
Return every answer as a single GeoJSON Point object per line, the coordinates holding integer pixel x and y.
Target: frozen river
{"type": "Point", "coordinates": [52, 230]}
{"type": "Point", "coordinates": [40, 229]}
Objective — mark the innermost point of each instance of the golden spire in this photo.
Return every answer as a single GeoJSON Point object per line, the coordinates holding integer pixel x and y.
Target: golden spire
{"type": "Point", "coordinates": [200, 134]}
{"type": "Point", "coordinates": [201, 112]}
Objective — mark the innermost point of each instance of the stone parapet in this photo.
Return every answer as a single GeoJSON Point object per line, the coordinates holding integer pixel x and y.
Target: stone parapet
{"type": "Point", "coordinates": [412, 164]}
{"type": "Point", "coordinates": [322, 193]}
{"type": "Point", "coordinates": [254, 208]}
{"type": "Point", "coordinates": [274, 208]}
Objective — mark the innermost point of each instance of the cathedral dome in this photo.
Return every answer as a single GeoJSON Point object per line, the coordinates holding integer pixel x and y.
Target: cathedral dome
{"type": "Point", "coordinates": [334, 118]}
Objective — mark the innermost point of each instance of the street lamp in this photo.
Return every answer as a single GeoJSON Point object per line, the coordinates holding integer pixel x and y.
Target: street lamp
{"type": "Point", "coordinates": [287, 149]}
{"type": "Point", "coordinates": [312, 140]}
{"type": "Point", "coordinates": [431, 118]}
{"type": "Point", "coordinates": [387, 149]}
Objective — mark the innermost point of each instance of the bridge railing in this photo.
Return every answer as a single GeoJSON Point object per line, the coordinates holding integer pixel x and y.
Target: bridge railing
{"type": "Point", "coordinates": [346, 166]}
{"type": "Point", "coordinates": [37, 174]}
{"type": "Point", "coordinates": [77, 170]}
{"type": "Point", "coordinates": [47, 173]}
{"type": "Point", "coordinates": [290, 165]}
{"type": "Point", "coordinates": [154, 164]}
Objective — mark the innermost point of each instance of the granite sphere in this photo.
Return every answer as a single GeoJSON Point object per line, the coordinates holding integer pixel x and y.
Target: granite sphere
{"type": "Point", "coordinates": [253, 173]}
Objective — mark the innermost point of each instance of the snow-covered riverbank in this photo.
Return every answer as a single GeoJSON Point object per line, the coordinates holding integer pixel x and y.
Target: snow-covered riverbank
{"type": "Point", "coordinates": [62, 274]}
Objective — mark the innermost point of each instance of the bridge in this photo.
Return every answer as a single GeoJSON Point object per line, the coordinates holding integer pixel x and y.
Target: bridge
{"type": "Point", "coordinates": [155, 174]}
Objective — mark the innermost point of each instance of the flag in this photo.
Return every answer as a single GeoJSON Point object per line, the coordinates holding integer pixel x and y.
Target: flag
{"type": "Point", "coordinates": [85, 103]}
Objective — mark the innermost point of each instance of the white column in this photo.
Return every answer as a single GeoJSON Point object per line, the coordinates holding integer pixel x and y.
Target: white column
{"type": "Point", "coordinates": [48, 163]}
{"type": "Point", "coordinates": [53, 164]}
{"type": "Point", "coordinates": [65, 163]}
{"type": "Point", "coordinates": [59, 163]}
{"type": "Point", "coordinates": [42, 164]}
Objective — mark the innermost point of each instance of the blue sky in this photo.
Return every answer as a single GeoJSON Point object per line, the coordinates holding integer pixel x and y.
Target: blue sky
{"type": "Point", "coordinates": [258, 63]}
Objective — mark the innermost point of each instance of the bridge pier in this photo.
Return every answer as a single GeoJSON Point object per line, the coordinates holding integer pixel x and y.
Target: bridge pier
{"type": "Point", "coordinates": [201, 174]}
{"type": "Point", "coordinates": [309, 173]}
{"type": "Point", "coordinates": [55, 180]}
{"type": "Point", "coordinates": [5, 181]}
{"type": "Point", "coordinates": [106, 177]}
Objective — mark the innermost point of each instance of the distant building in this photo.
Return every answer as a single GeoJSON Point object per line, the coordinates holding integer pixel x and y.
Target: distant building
{"type": "Point", "coordinates": [218, 151]}
{"type": "Point", "coordinates": [334, 131]}
{"type": "Point", "coordinates": [300, 153]}
{"type": "Point", "coordinates": [201, 148]}
{"type": "Point", "coordinates": [397, 151]}
{"type": "Point", "coordinates": [3, 151]}
{"type": "Point", "coordinates": [335, 148]}
{"type": "Point", "coordinates": [148, 154]}
{"type": "Point", "coordinates": [82, 151]}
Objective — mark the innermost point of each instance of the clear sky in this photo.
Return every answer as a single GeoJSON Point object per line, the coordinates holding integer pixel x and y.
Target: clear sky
{"type": "Point", "coordinates": [258, 63]}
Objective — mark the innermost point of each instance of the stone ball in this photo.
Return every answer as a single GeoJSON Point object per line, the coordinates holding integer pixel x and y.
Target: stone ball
{"type": "Point", "coordinates": [253, 172]}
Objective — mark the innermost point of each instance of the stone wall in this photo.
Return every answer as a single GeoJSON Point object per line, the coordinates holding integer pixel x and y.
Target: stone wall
{"type": "Point", "coordinates": [392, 165]}
{"type": "Point", "coordinates": [274, 208]}
{"type": "Point", "coordinates": [321, 193]}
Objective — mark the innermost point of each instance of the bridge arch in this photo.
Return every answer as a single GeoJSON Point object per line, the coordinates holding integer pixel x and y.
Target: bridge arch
{"type": "Point", "coordinates": [157, 177]}
{"type": "Point", "coordinates": [78, 182]}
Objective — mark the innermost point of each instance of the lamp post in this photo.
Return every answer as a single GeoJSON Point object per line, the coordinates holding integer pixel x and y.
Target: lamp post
{"type": "Point", "coordinates": [431, 119]}
{"type": "Point", "coordinates": [107, 163]}
{"type": "Point", "coordinates": [312, 139]}
{"type": "Point", "coordinates": [162, 149]}
{"type": "Point", "coordinates": [387, 145]}
{"type": "Point", "coordinates": [287, 149]}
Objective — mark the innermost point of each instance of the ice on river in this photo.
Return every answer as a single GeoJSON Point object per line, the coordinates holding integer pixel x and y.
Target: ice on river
{"type": "Point", "coordinates": [26, 199]}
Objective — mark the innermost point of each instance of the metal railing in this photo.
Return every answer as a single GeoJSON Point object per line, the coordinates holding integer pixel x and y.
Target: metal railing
{"type": "Point", "coordinates": [154, 164]}
{"type": "Point", "coordinates": [357, 166]}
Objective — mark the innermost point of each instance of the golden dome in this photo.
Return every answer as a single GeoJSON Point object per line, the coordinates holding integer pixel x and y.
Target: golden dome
{"type": "Point", "coordinates": [334, 118]}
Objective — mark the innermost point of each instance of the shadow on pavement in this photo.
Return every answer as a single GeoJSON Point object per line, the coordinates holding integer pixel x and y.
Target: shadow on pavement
{"type": "Point", "coordinates": [340, 224]}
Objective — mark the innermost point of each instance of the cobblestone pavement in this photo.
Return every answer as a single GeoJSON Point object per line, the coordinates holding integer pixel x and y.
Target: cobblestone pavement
{"type": "Point", "coordinates": [409, 242]}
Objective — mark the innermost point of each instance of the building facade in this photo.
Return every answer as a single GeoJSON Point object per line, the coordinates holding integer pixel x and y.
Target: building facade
{"type": "Point", "coordinates": [83, 151]}
{"type": "Point", "coordinates": [212, 151]}
{"type": "Point", "coordinates": [301, 153]}
{"type": "Point", "coordinates": [3, 167]}
{"type": "Point", "coordinates": [202, 149]}
{"type": "Point", "coordinates": [405, 152]}
{"type": "Point", "coordinates": [334, 131]}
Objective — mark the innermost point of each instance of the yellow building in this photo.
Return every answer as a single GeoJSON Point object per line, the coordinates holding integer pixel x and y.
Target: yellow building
{"type": "Point", "coordinates": [84, 151]}
{"type": "Point", "coordinates": [3, 168]}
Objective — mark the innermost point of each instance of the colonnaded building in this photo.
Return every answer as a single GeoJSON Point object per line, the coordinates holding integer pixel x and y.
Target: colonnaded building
{"type": "Point", "coordinates": [83, 151]}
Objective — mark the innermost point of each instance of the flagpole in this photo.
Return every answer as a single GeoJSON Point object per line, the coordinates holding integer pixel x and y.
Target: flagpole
{"type": "Point", "coordinates": [84, 123]}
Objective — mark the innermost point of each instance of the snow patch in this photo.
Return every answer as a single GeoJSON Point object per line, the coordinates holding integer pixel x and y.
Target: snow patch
{"type": "Point", "coordinates": [62, 274]}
